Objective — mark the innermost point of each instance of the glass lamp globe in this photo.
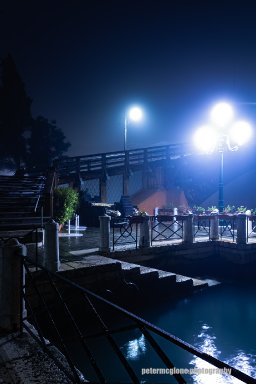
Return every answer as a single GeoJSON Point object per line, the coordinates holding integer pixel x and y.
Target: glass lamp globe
{"type": "Point", "coordinates": [222, 114]}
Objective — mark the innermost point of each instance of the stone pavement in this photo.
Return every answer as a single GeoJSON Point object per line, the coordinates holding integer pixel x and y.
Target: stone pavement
{"type": "Point", "coordinates": [22, 361]}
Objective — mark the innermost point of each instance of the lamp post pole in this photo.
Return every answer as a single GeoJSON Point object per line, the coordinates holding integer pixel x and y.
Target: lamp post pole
{"type": "Point", "coordinates": [133, 114]}
{"type": "Point", "coordinates": [221, 186]}
{"type": "Point", "coordinates": [125, 157]}
{"type": "Point", "coordinates": [125, 131]}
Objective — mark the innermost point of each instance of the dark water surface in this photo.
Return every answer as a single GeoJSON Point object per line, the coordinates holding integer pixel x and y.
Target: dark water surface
{"type": "Point", "coordinates": [219, 321]}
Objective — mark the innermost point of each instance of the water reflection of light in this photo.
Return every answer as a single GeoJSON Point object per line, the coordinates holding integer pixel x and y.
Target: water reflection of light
{"type": "Point", "coordinates": [244, 362]}
{"type": "Point", "coordinates": [135, 348]}
{"type": "Point", "coordinates": [206, 344]}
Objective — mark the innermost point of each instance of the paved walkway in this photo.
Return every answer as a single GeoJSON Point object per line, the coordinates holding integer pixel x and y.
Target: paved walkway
{"type": "Point", "coordinates": [22, 361]}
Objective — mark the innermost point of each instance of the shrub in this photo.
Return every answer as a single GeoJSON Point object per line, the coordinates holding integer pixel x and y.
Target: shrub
{"type": "Point", "coordinates": [212, 208]}
{"type": "Point", "coordinates": [241, 209]}
{"type": "Point", "coordinates": [65, 204]}
{"type": "Point", "coordinates": [197, 209]}
{"type": "Point", "coordinates": [230, 209]}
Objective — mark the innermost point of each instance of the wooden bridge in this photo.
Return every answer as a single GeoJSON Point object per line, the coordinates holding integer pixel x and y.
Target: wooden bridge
{"type": "Point", "coordinates": [104, 165]}
{"type": "Point", "coordinates": [115, 162]}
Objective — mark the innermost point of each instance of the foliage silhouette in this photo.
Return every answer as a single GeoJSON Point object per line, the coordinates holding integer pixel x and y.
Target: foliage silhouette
{"type": "Point", "coordinates": [15, 113]}
{"type": "Point", "coordinates": [46, 143]}
{"type": "Point", "coordinates": [24, 140]}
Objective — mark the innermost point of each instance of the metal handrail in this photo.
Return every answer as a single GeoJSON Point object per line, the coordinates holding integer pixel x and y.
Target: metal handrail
{"type": "Point", "coordinates": [145, 327]}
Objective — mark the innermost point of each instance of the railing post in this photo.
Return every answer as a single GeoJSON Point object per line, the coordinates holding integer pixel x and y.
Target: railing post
{"type": "Point", "coordinates": [214, 227]}
{"type": "Point", "coordinates": [249, 226]}
{"type": "Point", "coordinates": [51, 248]}
{"type": "Point", "coordinates": [241, 229]}
{"type": "Point", "coordinates": [188, 236]}
{"type": "Point", "coordinates": [175, 224]}
{"type": "Point", "coordinates": [12, 278]}
{"type": "Point", "coordinates": [104, 234]}
{"type": "Point", "coordinates": [144, 233]}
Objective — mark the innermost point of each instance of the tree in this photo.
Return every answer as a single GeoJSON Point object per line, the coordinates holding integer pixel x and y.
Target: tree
{"type": "Point", "coordinates": [46, 143]}
{"type": "Point", "coordinates": [15, 113]}
{"type": "Point", "coordinates": [36, 142]}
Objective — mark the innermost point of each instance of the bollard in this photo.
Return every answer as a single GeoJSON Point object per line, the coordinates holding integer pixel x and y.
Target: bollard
{"type": "Point", "coordinates": [214, 227]}
{"type": "Point", "coordinates": [241, 237]}
{"type": "Point", "coordinates": [69, 227]}
{"type": "Point", "coordinates": [104, 233]}
{"type": "Point", "coordinates": [51, 248]}
{"type": "Point", "coordinates": [249, 227]}
{"type": "Point", "coordinates": [144, 233]}
{"type": "Point", "coordinates": [156, 214]}
{"type": "Point", "coordinates": [175, 224]}
{"type": "Point", "coordinates": [188, 236]}
{"type": "Point", "coordinates": [12, 279]}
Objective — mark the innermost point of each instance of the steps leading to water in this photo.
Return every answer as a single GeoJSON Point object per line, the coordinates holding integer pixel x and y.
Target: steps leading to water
{"type": "Point", "coordinates": [101, 272]}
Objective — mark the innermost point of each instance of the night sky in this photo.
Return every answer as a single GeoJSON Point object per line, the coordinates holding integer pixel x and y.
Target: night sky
{"type": "Point", "coordinates": [84, 62]}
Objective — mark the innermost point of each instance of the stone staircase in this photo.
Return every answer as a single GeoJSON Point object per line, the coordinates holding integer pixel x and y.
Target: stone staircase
{"type": "Point", "coordinates": [21, 201]}
{"type": "Point", "coordinates": [128, 280]}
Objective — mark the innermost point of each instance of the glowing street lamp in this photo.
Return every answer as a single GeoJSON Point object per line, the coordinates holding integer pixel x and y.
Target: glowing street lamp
{"type": "Point", "coordinates": [222, 135]}
{"type": "Point", "coordinates": [133, 114]}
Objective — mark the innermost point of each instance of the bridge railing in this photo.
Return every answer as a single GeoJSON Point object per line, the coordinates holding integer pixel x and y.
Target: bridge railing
{"type": "Point", "coordinates": [120, 159]}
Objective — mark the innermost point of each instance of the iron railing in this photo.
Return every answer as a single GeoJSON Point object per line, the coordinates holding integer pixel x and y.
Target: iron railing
{"type": "Point", "coordinates": [50, 296]}
{"type": "Point", "coordinates": [164, 228]}
{"type": "Point", "coordinates": [125, 231]}
{"type": "Point", "coordinates": [202, 226]}
{"type": "Point", "coordinates": [227, 225]}
{"type": "Point", "coordinates": [167, 227]}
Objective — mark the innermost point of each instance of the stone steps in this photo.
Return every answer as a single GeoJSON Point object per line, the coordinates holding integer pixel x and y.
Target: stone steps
{"type": "Point", "coordinates": [96, 268]}
{"type": "Point", "coordinates": [21, 199]}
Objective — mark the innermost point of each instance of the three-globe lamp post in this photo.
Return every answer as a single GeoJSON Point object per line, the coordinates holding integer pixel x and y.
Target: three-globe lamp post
{"type": "Point", "coordinates": [223, 134]}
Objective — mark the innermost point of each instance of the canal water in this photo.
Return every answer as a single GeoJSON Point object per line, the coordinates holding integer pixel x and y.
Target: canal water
{"type": "Point", "coordinates": [219, 320]}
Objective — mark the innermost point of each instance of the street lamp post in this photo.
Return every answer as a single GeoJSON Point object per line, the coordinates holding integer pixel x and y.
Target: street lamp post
{"type": "Point", "coordinates": [125, 131]}
{"type": "Point", "coordinates": [221, 184]}
{"type": "Point", "coordinates": [133, 114]}
{"type": "Point", "coordinates": [222, 135]}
